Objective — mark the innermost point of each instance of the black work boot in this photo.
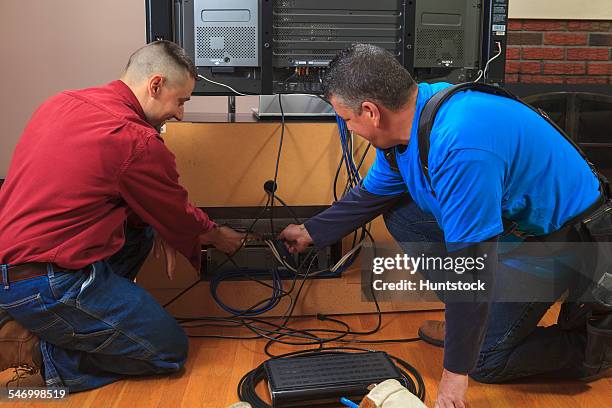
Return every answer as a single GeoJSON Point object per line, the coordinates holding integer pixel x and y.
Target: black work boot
{"type": "Point", "coordinates": [20, 350]}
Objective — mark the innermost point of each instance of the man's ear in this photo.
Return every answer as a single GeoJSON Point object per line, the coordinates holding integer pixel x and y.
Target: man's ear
{"type": "Point", "coordinates": [371, 112]}
{"type": "Point", "coordinates": [155, 84]}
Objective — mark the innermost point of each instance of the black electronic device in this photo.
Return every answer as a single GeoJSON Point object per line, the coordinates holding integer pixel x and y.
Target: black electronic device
{"type": "Point", "coordinates": [319, 380]}
{"type": "Point", "coordinates": [256, 256]}
{"type": "Point", "coordinates": [265, 47]}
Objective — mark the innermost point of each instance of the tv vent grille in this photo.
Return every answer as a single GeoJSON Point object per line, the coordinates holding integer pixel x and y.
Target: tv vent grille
{"type": "Point", "coordinates": [238, 42]}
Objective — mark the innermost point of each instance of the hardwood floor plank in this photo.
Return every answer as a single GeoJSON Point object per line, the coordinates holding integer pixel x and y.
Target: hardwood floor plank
{"type": "Point", "coordinates": [215, 367]}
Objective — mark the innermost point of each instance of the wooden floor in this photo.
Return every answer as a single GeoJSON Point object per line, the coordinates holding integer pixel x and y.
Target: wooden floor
{"type": "Point", "coordinates": [215, 367]}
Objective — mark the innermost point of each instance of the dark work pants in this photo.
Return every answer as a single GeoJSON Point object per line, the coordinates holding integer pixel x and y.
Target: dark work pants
{"type": "Point", "coordinates": [514, 346]}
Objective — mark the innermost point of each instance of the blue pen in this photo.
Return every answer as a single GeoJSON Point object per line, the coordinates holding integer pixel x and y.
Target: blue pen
{"type": "Point", "coordinates": [348, 403]}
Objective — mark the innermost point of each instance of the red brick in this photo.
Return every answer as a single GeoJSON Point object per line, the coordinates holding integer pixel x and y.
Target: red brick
{"type": "Point", "coordinates": [565, 38]}
{"type": "Point", "coordinates": [513, 67]}
{"type": "Point", "coordinates": [542, 79]}
{"type": "Point", "coordinates": [543, 53]}
{"type": "Point", "coordinates": [530, 68]}
{"type": "Point", "coordinates": [515, 25]}
{"type": "Point", "coordinates": [586, 80]}
{"type": "Point", "coordinates": [600, 68]}
{"type": "Point", "coordinates": [565, 68]}
{"type": "Point", "coordinates": [544, 25]}
{"type": "Point", "coordinates": [586, 54]}
{"type": "Point", "coordinates": [522, 38]}
{"type": "Point", "coordinates": [512, 78]}
{"type": "Point", "coordinates": [600, 40]}
{"type": "Point", "coordinates": [513, 53]}
{"type": "Point", "coordinates": [588, 26]}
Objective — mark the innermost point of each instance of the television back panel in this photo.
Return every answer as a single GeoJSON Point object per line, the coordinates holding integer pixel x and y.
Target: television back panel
{"type": "Point", "coordinates": [226, 33]}
{"type": "Point", "coordinates": [447, 33]}
{"type": "Point", "coordinates": [311, 32]}
{"type": "Point", "coordinates": [160, 20]}
{"type": "Point", "coordinates": [265, 47]}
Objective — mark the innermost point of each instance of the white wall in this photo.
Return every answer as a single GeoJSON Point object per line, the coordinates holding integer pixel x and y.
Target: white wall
{"type": "Point", "coordinates": [52, 45]}
{"type": "Point", "coordinates": [561, 9]}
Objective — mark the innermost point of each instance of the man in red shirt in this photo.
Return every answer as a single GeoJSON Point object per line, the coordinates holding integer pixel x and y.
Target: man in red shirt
{"type": "Point", "coordinates": [89, 183]}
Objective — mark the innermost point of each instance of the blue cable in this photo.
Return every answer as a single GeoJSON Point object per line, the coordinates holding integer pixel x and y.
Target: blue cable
{"type": "Point", "coordinates": [347, 402]}
{"type": "Point", "coordinates": [347, 154]}
{"type": "Point", "coordinates": [351, 172]}
{"type": "Point", "coordinates": [277, 289]}
{"type": "Point", "coordinates": [269, 305]}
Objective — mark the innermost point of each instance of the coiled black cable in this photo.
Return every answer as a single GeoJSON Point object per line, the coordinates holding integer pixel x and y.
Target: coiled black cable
{"type": "Point", "coordinates": [413, 381]}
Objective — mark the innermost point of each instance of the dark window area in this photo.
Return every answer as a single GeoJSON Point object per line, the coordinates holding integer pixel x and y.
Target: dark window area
{"type": "Point", "coordinates": [586, 117]}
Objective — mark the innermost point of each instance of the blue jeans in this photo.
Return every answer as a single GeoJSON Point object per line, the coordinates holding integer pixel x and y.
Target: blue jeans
{"type": "Point", "coordinates": [96, 325]}
{"type": "Point", "coordinates": [514, 346]}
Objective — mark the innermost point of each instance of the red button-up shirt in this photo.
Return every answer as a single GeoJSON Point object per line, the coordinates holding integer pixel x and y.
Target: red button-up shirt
{"type": "Point", "coordinates": [87, 161]}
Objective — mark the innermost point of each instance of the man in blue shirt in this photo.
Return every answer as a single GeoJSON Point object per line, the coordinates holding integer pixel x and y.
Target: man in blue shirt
{"type": "Point", "coordinates": [490, 158]}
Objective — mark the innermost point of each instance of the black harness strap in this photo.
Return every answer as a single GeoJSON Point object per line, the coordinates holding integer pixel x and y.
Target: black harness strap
{"type": "Point", "coordinates": [430, 110]}
{"type": "Point", "coordinates": [426, 123]}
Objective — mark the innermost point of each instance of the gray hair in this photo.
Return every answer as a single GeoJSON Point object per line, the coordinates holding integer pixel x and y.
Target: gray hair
{"type": "Point", "coordinates": [160, 57]}
{"type": "Point", "coordinates": [365, 72]}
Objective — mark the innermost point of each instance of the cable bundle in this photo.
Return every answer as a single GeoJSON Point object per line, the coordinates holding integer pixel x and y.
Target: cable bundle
{"type": "Point", "coordinates": [352, 169]}
{"type": "Point", "coordinates": [281, 332]}
{"type": "Point", "coordinates": [268, 304]}
{"type": "Point", "coordinates": [246, 387]}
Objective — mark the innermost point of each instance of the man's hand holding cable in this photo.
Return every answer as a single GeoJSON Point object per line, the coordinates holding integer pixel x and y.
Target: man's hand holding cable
{"type": "Point", "coordinates": [296, 238]}
{"type": "Point", "coordinates": [223, 238]}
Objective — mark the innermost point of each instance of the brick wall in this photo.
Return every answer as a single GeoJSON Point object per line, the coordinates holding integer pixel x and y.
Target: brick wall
{"type": "Point", "coordinates": [559, 52]}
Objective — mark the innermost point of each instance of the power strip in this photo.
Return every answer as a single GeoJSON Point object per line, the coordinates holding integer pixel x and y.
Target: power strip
{"type": "Point", "coordinates": [319, 380]}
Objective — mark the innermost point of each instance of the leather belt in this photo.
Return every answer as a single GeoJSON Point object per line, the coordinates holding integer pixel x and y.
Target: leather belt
{"type": "Point", "coordinates": [26, 271]}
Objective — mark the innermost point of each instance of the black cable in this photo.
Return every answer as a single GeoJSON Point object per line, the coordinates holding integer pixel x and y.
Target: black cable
{"type": "Point", "coordinates": [275, 299]}
{"type": "Point", "coordinates": [321, 340]}
{"type": "Point", "coordinates": [278, 156]}
{"type": "Point", "coordinates": [283, 330]}
{"type": "Point", "coordinates": [229, 256]}
{"type": "Point", "coordinates": [181, 293]}
{"type": "Point", "coordinates": [289, 209]}
{"type": "Point", "coordinates": [244, 323]}
{"type": "Point", "coordinates": [365, 153]}
{"type": "Point", "coordinates": [343, 334]}
{"type": "Point", "coordinates": [336, 178]}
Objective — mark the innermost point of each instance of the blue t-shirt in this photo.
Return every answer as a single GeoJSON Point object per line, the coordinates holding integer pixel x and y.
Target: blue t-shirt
{"type": "Point", "coordinates": [490, 157]}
